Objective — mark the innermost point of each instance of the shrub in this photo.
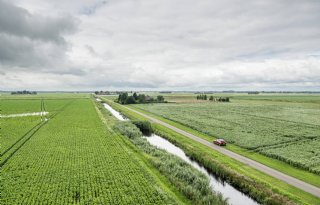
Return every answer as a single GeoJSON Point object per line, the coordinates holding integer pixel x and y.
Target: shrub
{"type": "Point", "coordinates": [128, 129]}
{"type": "Point", "coordinates": [144, 126]}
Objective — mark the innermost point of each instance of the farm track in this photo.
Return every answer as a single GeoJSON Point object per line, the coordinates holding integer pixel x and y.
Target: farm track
{"type": "Point", "coordinates": [254, 164]}
{"type": "Point", "coordinates": [281, 144]}
{"type": "Point", "coordinates": [32, 131]}
{"type": "Point", "coordinates": [21, 145]}
{"type": "Point", "coordinates": [16, 142]}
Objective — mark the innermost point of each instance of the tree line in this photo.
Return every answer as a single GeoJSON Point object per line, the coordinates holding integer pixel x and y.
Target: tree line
{"type": "Point", "coordinates": [24, 92]}
{"type": "Point", "coordinates": [124, 98]}
{"type": "Point", "coordinates": [211, 98]}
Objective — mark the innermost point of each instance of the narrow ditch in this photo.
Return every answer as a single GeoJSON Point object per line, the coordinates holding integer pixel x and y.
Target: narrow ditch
{"type": "Point", "coordinates": [235, 197]}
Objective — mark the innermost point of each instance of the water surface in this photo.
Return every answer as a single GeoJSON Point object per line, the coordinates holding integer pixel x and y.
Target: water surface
{"type": "Point", "coordinates": [234, 196]}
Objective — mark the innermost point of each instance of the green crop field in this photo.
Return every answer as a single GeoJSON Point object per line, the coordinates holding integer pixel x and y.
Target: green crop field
{"type": "Point", "coordinates": [285, 127]}
{"type": "Point", "coordinates": [78, 155]}
{"type": "Point", "coordinates": [12, 129]}
{"type": "Point", "coordinates": [72, 158]}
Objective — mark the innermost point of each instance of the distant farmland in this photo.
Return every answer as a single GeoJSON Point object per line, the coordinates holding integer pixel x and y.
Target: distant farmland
{"type": "Point", "coordinates": [285, 127]}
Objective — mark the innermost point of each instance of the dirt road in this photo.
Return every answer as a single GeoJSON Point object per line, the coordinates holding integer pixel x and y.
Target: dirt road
{"type": "Point", "coordinates": [272, 172]}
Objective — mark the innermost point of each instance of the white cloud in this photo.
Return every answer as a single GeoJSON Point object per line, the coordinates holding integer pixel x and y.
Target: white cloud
{"type": "Point", "coordinates": [208, 45]}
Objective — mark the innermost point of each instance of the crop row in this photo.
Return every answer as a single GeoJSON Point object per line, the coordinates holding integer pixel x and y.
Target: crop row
{"type": "Point", "coordinates": [303, 154]}
{"type": "Point", "coordinates": [73, 159]}
{"type": "Point", "coordinates": [244, 130]}
{"type": "Point", "coordinates": [13, 106]}
{"type": "Point", "coordinates": [12, 129]}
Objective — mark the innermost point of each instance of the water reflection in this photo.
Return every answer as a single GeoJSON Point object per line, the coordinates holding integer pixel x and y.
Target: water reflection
{"type": "Point", "coordinates": [234, 196]}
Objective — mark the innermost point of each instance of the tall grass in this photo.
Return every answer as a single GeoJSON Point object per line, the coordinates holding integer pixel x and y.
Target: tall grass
{"type": "Point", "coordinates": [189, 181]}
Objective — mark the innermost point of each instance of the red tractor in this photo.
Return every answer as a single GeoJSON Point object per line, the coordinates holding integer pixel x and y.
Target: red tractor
{"type": "Point", "coordinates": [220, 142]}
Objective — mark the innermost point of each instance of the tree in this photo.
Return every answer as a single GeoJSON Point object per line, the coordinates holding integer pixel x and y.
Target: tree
{"type": "Point", "coordinates": [211, 98]}
{"type": "Point", "coordinates": [160, 98]}
{"type": "Point", "coordinates": [122, 98]}
{"type": "Point", "coordinates": [135, 96]}
{"type": "Point", "coordinates": [130, 100]}
{"type": "Point", "coordinates": [141, 98]}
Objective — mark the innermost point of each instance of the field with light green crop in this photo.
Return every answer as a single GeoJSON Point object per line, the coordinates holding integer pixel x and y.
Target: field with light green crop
{"type": "Point", "coordinates": [72, 158]}
{"type": "Point", "coordinates": [282, 126]}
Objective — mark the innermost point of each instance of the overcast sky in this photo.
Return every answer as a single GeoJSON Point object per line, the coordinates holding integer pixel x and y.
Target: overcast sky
{"type": "Point", "coordinates": [159, 45]}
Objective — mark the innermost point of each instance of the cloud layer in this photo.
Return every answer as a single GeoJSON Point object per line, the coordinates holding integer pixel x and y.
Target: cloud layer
{"type": "Point", "coordinates": [156, 45]}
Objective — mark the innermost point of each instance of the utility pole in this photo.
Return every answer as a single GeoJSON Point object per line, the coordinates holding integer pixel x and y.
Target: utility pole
{"type": "Point", "coordinates": [41, 109]}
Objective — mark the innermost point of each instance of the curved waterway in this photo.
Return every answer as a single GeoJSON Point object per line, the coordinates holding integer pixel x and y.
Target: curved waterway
{"type": "Point", "coordinates": [234, 196]}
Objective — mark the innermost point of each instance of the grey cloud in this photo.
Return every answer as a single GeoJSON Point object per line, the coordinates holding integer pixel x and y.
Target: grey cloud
{"type": "Point", "coordinates": [24, 52]}
{"type": "Point", "coordinates": [179, 44]}
{"type": "Point", "coordinates": [33, 42]}
{"type": "Point", "coordinates": [19, 22]}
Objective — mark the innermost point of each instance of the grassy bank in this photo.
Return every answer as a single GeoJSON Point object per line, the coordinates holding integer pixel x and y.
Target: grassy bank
{"type": "Point", "coordinates": [189, 181]}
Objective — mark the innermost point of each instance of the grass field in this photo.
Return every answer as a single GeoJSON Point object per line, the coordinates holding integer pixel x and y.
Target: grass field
{"type": "Point", "coordinates": [277, 126]}
{"type": "Point", "coordinates": [73, 158]}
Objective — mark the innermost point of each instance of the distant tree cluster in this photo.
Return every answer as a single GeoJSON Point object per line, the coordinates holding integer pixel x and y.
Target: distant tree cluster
{"type": "Point", "coordinates": [202, 97]}
{"type": "Point", "coordinates": [24, 92]}
{"type": "Point", "coordinates": [124, 98]}
{"type": "Point", "coordinates": [253, 93]}
{"type": "Point", "coordinates": [220, 99]}
{"type": "Point", "coordinates": [211, 98]}
{"type": "Point", "coordinates": [108, 92]}
{"type": "Point", "coordinates": [102, 92]}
